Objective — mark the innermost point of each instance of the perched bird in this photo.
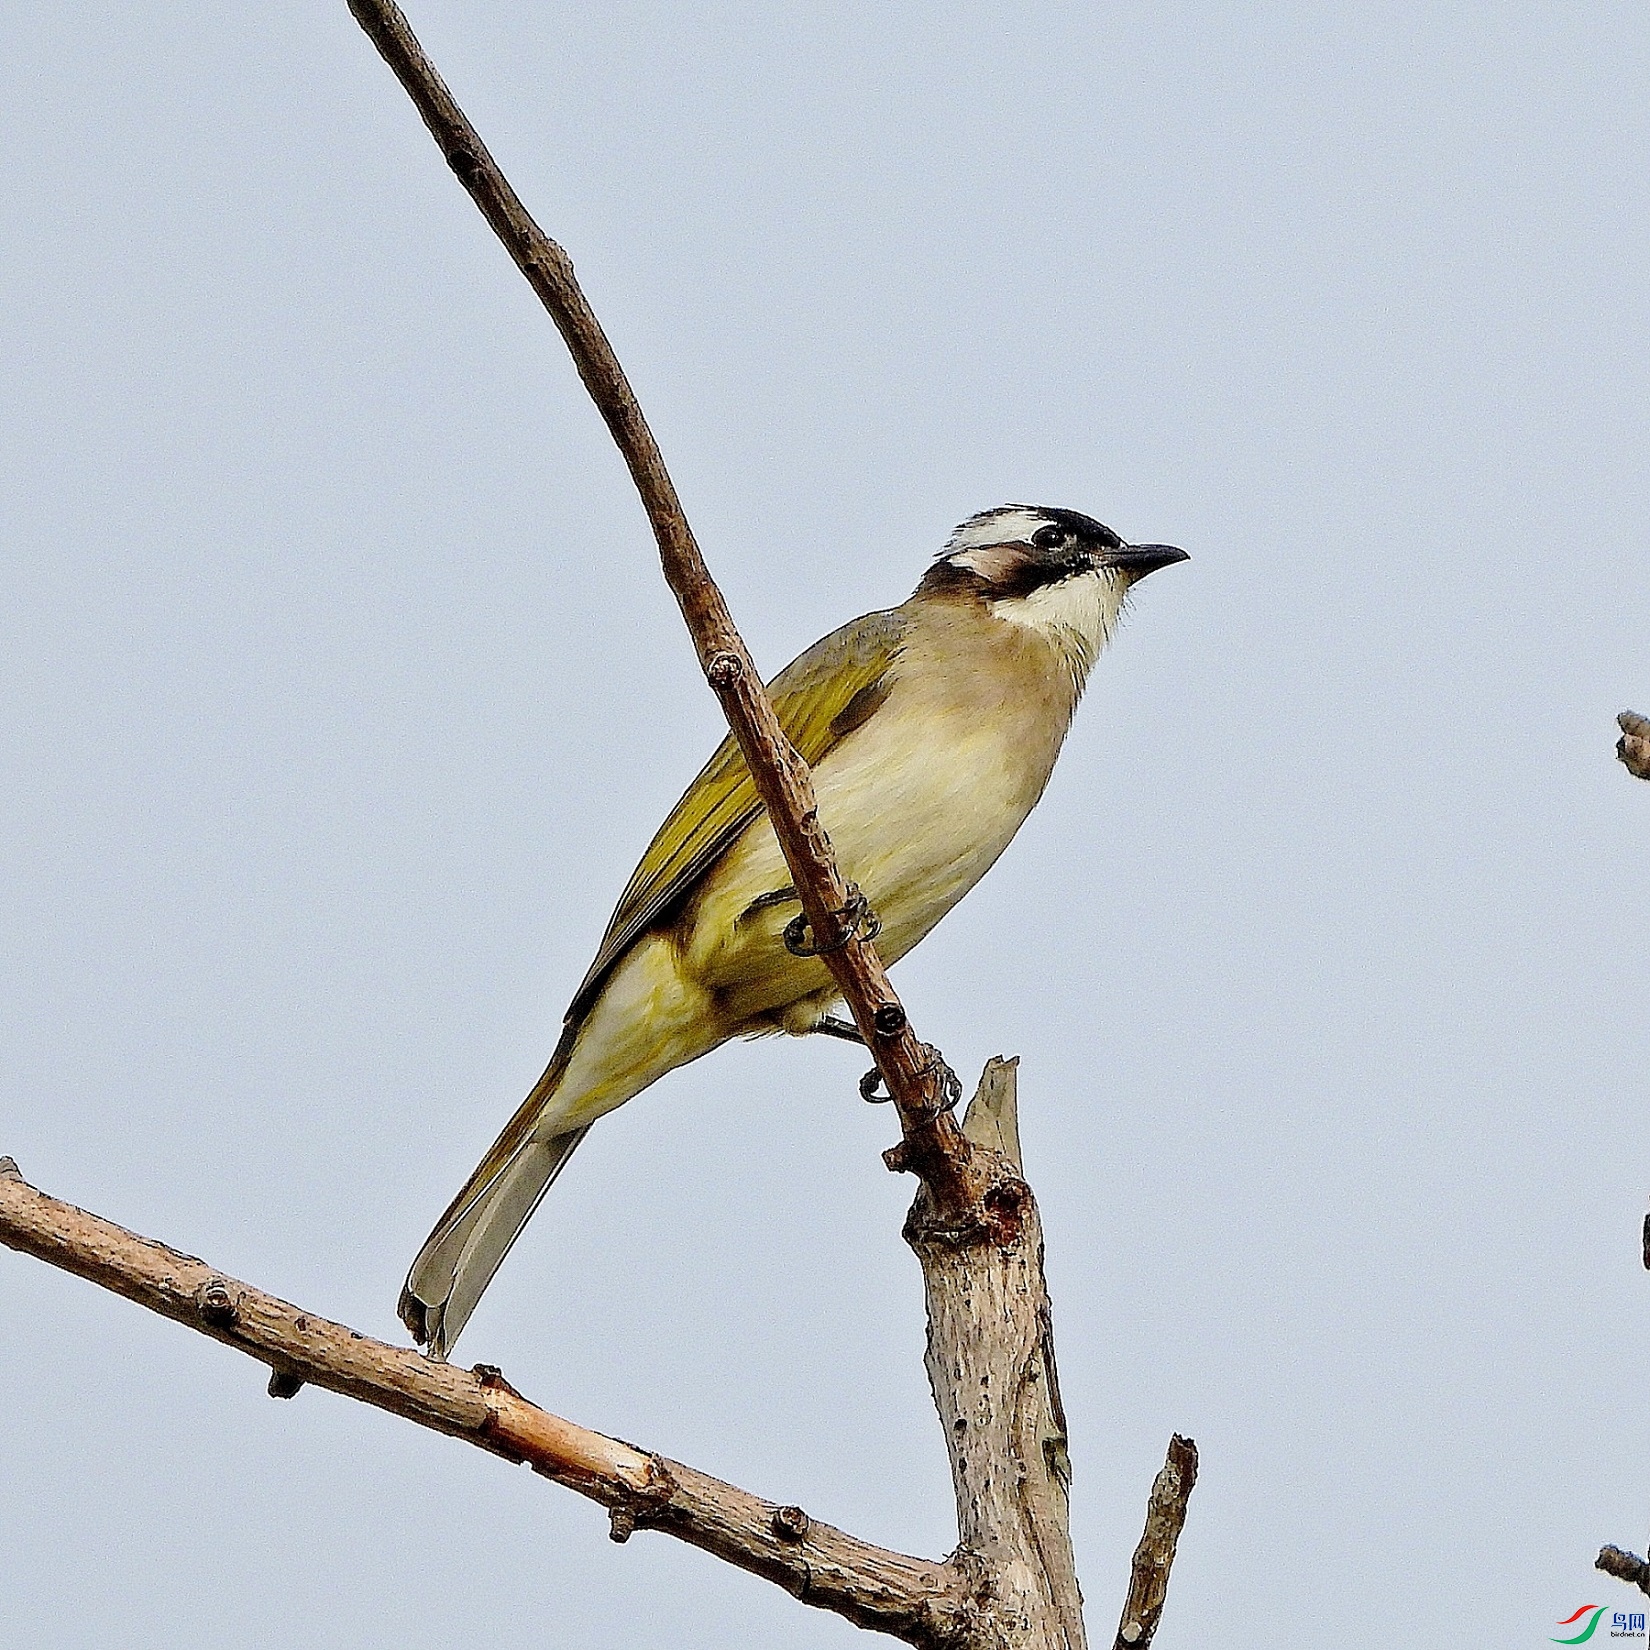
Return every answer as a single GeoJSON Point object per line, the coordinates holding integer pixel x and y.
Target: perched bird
{"type": "Point", "coordinates": [931, 729]}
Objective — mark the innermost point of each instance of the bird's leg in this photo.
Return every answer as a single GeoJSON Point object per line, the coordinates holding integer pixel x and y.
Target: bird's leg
{"type": "Point", "coordinates": [829, 1026]}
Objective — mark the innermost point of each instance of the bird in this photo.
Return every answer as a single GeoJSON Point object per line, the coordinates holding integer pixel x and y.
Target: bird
{"type": "Point", "coordinates": [932, 729]}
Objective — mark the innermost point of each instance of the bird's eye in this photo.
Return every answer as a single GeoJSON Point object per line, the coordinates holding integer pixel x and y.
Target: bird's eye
{"type": "Point", "coordinates": [1049, 538]}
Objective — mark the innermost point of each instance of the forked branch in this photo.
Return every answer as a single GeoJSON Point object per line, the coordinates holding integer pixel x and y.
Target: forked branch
{"type": "Point", "coordinates": [915, 1599]}
{"type": "Point", "coordinates": [1011, 1585]}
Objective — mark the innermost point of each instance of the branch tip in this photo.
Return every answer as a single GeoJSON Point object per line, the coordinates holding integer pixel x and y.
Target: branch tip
{"type": "Point", "coordinates": [1154, 1557]}
{"type": "Point", "coordinates": [1624, 1566]}
{"type": "Point", "coordinates": [1633, 748]}
{"type": "Point", "coordinates": [993, 1116]}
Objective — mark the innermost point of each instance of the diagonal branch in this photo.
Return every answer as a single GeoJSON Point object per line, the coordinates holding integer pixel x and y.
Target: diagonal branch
{"type": "Point", "coordinates": [916, 1076]}
{"type": "Point", "coordinates": [916, 1599]}
{"type": "Point", "coordinates": [1149, 1575]}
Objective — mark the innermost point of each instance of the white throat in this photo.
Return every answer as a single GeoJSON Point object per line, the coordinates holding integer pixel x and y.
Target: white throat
{"type": "Point", "coordinates": [1077, 615]}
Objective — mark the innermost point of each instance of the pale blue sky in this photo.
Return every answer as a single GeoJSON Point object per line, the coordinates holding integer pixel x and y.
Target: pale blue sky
{"type": "Point", "coordinates": [339, 691]}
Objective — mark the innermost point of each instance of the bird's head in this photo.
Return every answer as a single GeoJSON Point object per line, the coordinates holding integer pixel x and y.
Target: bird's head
{"type": "Point", "coordinates": [1055, 571]}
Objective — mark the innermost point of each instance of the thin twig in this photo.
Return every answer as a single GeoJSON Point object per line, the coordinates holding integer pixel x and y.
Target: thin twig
{"type": "Point", "coordinates": [915, 1599]}
{"type": "Point", "coordinates": [933, 1146]}
{"type": "Point", "coordinates": [1165, 1517]}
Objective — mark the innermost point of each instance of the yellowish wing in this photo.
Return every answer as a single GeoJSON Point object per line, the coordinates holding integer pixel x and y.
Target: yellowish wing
{"type": "Point", "coordinates": [819, 698]}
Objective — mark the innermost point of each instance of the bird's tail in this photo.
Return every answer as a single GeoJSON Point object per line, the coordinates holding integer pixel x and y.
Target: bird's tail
{"type": "Point", "coordinates": [472, 1238]}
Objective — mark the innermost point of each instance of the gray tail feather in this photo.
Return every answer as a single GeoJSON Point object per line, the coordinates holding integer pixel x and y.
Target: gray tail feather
{"type": "Point", "coordinates": [474, 1235]}
{"type": "Point", "coordinates": [461, 1255]}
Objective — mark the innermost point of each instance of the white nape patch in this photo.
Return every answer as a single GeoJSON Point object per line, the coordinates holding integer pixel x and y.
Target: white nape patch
{"type": "Point", "coordinates": [1078, 615]}
{"type": "Point", "coordinates": [1012, 524]}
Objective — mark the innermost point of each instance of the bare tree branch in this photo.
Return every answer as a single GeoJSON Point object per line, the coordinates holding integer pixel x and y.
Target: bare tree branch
{"type": "Point", "coordinates": [974, 1225]}
{"type": "Point", "coordinates": [1165, 1517]}
{"type": "Point", "coordinates": [1633, 748]}
{"type": "Point", "coordinates": [917, 1078]}
{"type": "Point", "coordinates": [1012, 1583]}
{"type": "Point", "coordinates": [916, 1599]}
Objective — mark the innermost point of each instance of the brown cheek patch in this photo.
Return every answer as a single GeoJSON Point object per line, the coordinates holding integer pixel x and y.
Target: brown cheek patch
{"type": "Point", "coordinates": [995, 563]}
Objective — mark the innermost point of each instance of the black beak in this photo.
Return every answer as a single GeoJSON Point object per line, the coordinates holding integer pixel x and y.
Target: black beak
{"type": "Point", "coordinates": [1137, 560]}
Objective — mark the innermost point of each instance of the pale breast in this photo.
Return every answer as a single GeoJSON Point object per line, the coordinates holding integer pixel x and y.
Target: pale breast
{"type": "Point", "coordinates": [919, 801]}
{"type": "Point", "coordinates": [922, 801]}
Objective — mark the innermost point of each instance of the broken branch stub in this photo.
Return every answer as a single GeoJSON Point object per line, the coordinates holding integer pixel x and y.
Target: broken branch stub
{"type": "Point", "coordinates": [1149, 1574]}
{"type": "Point", "coordinates": [990, 1362]}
